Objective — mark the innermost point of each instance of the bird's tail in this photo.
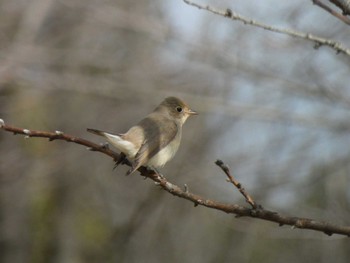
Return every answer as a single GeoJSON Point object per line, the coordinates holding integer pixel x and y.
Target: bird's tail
{"type": "Point", "coordinates": [97, 132]}
{"type": "Point", "coordinates": [118, 141]}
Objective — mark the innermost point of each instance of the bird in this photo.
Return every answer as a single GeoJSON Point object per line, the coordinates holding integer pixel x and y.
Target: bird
{"type": "Point", "coordinates": [154, 140]}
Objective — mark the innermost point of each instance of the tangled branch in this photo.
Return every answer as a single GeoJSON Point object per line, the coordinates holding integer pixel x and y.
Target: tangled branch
{"type": "Point", "coordinates": [256, 211]}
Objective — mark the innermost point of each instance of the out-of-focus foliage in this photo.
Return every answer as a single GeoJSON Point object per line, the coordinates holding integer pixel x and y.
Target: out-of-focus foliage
{"type": "Point", "coordinates": [272, 107]}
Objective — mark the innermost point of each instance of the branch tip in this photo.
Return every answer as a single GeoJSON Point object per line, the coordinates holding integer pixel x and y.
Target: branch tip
{"type": "Point", "coordinates": [230, 178]}
{"type": "Point", "coordinates": [219, 162]}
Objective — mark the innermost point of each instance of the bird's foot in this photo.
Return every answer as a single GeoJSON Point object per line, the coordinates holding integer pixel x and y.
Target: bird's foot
{"type": "Point", "coordinates": [157, 172]}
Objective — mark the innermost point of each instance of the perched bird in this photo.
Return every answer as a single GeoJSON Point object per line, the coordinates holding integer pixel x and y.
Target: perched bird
{"type": "Point", "coordinates": [155, 139]}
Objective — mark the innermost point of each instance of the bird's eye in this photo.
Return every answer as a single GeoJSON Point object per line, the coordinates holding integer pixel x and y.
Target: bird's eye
{"type": "Point", "coordinates": [179, 109]}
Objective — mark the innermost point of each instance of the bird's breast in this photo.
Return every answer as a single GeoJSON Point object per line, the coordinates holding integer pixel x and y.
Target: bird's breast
{"type": "Point", "coordinates": [165, 154]}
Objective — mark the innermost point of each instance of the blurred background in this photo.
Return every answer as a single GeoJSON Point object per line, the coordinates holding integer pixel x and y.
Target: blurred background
{"type": "Point", "coordinates": [273, 108]}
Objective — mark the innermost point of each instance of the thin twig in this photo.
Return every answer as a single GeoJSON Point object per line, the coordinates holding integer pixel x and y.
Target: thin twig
{"type": "Point", "coordinates": [237, 184]}
{"type": "Point", "coordinates": [319, 41]}
{"type": "Point", "coordinates": [239, 211]}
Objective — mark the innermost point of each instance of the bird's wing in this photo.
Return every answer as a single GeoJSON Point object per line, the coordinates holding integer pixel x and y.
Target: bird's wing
{"type": "Point", "coordinates": [156, 138]}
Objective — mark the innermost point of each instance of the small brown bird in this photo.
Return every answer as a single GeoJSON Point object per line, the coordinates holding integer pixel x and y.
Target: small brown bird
{"type": "Point", "coordinates": [156, 138]}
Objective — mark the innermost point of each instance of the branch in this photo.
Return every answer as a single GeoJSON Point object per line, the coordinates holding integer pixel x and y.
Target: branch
{"type": "Point", "coordinates": [238, 210]}
{"type": "Point", "coordinates": [344, 5]}
{"type": "Point", "coordinates": [232, 180]}
{"type": "Point", "coordinates": [58, 135]}
{"type": "Point", "coordinates": [342, 17]}
{"type": "Point", "coordinates": [318, 41]}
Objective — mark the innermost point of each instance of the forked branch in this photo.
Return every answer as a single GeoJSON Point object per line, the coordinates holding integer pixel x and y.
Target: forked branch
{"type": "Point", "coordinates": [318, 41]}
{"type": "Point", "coordinates": [256, 211]}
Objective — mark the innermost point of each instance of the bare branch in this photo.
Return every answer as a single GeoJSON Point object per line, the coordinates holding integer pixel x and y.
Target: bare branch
{"type": "Point", "coordinates": [237, 184]}
{"type": "Point", "coordinates": [342, 17]}
{"type": "Point", "coordinates": [318, 41]}
{"type": "Point", "coordinates": [238, 210]}
{"type": "Point", "coordinates": [58, 135]}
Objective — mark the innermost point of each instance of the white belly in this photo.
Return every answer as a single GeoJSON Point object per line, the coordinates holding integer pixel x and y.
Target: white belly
{"type": "Point", "coordinates": [166, 154]}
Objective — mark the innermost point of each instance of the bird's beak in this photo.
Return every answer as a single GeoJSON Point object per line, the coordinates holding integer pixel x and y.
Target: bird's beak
{"type": "Point", "coordinates": [191, 112]}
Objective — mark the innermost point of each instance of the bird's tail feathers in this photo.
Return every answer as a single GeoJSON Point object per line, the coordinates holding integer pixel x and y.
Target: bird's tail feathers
{"type": "Point", "coordinates": [97, 132]}
{"type": "Point", "coordinates": [117, 141]}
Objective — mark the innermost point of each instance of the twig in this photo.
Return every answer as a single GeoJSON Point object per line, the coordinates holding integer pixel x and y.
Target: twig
{"type": "Point", "coordinates": [239, 211]}
{"type": "Point", "coordinates": [342, 17]}
{"type": "Point", "coordinates": [58, 135]}
{"type": "Point", "coordinates": [319, 41]}
{"type": "Point", "coordinates": [237, 184]}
